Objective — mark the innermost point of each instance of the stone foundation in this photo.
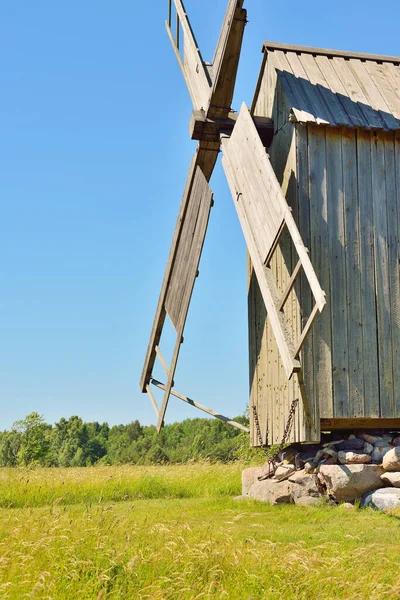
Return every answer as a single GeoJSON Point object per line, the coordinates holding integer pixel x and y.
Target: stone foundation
{"type": "Point", "coordinates": [342, 468]}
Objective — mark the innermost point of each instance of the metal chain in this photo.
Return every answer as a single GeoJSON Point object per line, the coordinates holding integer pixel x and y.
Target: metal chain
{"type": "Point", "coordinates": [272, 460]}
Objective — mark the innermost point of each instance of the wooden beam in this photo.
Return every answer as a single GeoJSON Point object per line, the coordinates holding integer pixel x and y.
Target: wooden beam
{"type": "Point", "coordinates": [290, 285]}
{"type": "Point", "coordinates": [161, 386]}
{"type": "Point", "coordinates": [153, 400]}
{"type": "Point", "coordinates": [226, 60]}
{"type": "Point", "coordinates": [193, 68]}
{"type": "Point", "coordinates": [359, 423]}
{"type": "Point", "coordinates": [307, 328]}
{"type": "Point", "coordinates": [160, 315]}
{"type": "Point", "coordinates": [209, 130]}
{"type": "Point", "coordinates": [326, 52]}
{"type": "Point", "coordinates": [162, 360]}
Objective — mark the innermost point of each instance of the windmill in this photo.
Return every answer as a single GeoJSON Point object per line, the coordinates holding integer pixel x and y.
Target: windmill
{"type": "Point", "coordinates": [314, 172]}
{"type": "Point", "coordinates": [261, 206]}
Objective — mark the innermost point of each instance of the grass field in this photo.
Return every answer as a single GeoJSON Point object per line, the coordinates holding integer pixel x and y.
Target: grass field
{"type": "Point", "coordinates": [176, 533]}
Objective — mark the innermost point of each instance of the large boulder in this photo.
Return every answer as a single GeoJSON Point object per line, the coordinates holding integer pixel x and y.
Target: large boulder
{"type": "Point", "coordinates": [346, 483]}
{"type": "Point", "coordinates": [391, 460]}
{"type": "Point", "coordinates": [250, 476]}
{"type": "Point", "coordinates": [272, 491]}
{"type": "Point", "coordinates": [304, 485]}
{"type": "Point", "coordinates": [391, 478]}
{"type": "Point", "coordinates": [384, 499]}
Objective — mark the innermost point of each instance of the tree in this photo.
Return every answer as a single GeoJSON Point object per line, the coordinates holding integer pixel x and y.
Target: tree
{"type": "Point", "coordinates": [34, 437]}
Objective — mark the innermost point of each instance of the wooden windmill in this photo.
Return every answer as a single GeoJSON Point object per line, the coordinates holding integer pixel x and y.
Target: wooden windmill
{"type": "Point", "coordinates": [315, 162]}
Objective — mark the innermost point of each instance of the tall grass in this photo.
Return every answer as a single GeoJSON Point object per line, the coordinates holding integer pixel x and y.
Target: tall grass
{"type": "Point", "coordinates": [40, 487]}
{"type": "Point", "coordinates": [182, 538]}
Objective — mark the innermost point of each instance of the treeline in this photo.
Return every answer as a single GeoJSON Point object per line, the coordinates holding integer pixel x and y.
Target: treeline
{"type": "Point", "coordinates": [74, 443]}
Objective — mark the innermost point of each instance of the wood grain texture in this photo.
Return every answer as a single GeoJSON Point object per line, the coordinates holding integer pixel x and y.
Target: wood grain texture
{"type": "Point", "coordinates": [367, 270]}
{"type": "Point", "coordinates": [192, 64]}
{"type": "Point", "coordinates": [322, 338]}
{"type": "Point", "coordinates": [382, 281]}
{"type": "Point", "coordinates": [329, 53]}
{"type": "Point", "coordinates": [159, 318]}
{"type": "Point", "coordinates": [333, 89]}
{"type": "Point", "coordinates": [352, 227]}
{"type": "Point", "coordinates": [226, 59]}
{"type": "Point", "coordinates": [271, 391]}
{"type": "Point", "coordinates": [338, 271]}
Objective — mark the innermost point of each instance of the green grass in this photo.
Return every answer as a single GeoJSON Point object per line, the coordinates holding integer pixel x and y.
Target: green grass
{"type": "Point", "coordinates": [186, 540]}
{"type": "Point", "coordinates": [40, 487]}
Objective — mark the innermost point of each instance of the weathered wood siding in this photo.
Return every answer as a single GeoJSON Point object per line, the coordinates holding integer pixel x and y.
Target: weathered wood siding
{"type": "Point", "coordinates": [343, 185]}
{"type": "Point", "coordinates": [354, 188]}
{"type": "Point", "coordinates": [270, 390]}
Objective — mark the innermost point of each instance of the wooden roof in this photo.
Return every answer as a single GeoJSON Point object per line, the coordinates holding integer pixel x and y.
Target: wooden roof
{"type": "Point", "coordinates": [338, 88]}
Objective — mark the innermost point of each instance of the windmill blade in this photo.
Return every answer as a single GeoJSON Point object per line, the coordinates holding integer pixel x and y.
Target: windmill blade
{"type": "Point", "coordinates": [210, 87]}
{"type": "Point", "coordinates": [179, 278]}
{"type": "Point", "coordinates": [191, 63]}
{"type": "Point", "coordinates": [226, 60]}
{"type": "Point", "coordinates": [264, 213]}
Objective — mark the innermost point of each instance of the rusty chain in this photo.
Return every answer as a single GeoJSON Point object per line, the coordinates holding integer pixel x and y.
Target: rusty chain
{"type": "Point", "coordinates": [272, 460]}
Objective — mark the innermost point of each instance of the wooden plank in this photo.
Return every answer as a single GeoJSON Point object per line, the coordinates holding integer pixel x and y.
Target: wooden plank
{"type": "Point", "coordinates": [360, 423]}
{"type": "Point", "coordinates": [226, 59]}
{"type": "Point", "coordinates": [337, 115]}
{"type": "Point", "coordinates": [159, 318]}
{"type": "Point", "coordinates": [245, 134]}
{"type": "Point", "coordinates": [329, 53]}
{"type": "Point", "coordinates": [290, 285]}
{"type": "Point", "coordinates": [170, 380]}
{"type": "Point", "coordinates": [252, 341]}
{"type": "Point", "coordinates": [356, 94]}
{"type": "Point", "coordinates": [367, 270]}
{"type": "Point", "coordinates": [382, 282]}
{"type": "Point", "coordinates": [373, 93]}
{"type": "Point", "coordinates": [306, 329]}
{"type": "Point", "coordinates": [295, 93]}
{"type": "Point", "coordinates": [320, 257]}
{"type": "Point", "coordinates": [195, 254]}
{"type": "Point", "coordinates": [320, 110]}
{"type": "Point", "coordinates": [206, 157]}
{"type": "Point", "coordinates": [180, 276]}
{"type": "Point", "coordinates": [351, 108]}
{"type": "Point", "coordinates": [192, 66]}
{"type": "Point", "coordinates": [391, 170]}
{"type": "Point", "coordinates": [264, 276]}
{"type": "Point", "coordinates": [153, 400]}
{"type": "Point", "coordinates": [303, 196]}
{"type": "Point", "coordinates": [396, 295]}
{"type": "Point", "coordinates": [352, 228]}
{"type": "Point", "coordinates": [162, 360]}
{"type": "Point", "coordinates": [338, 271]}
{"type": "Point", "coordinates": [227, 420]}
{"type": "Point", "coordinates": [382, 77]}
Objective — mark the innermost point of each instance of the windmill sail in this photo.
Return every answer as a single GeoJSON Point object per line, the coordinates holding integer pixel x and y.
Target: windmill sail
{"type": "Point", "coordinates": [179, 278]}
{"type": "Point", "coordinates": [263, 214]}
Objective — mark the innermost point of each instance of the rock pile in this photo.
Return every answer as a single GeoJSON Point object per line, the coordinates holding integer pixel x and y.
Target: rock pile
{"type": "Point", "coordinates": [352, 467]}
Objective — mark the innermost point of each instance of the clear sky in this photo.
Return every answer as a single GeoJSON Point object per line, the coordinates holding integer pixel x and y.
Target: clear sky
{"type": "Point", "coordinates": [94, 152]}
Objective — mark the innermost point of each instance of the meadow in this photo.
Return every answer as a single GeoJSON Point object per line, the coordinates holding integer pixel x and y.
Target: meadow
{"type": "Point", "coordinates": [176, 532]}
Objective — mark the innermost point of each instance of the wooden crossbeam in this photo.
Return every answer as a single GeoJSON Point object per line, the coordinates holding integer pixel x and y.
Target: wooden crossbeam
{"type": "Point", "coordinates": [306, 329]}
{"type": "Point", "coordinates": [290, 285]}
{"type": "Point", "coordinates": [162, 360]}
{"type": "Point", "coordinates": [153, 400]}
{"type": "Point", "coordinates": [227, 420]}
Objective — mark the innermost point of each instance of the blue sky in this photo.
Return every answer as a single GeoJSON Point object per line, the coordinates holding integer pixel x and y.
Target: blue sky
{"type": "Point", "coordinates": [94, 152]}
